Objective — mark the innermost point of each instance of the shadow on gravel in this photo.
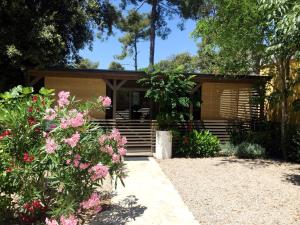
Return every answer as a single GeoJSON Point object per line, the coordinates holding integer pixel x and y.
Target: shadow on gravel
{"type": "Point", "coordinates": [120, 214]}
{"type": "Point", "coordinates": [293, 178]}
{"type": "Point", "coordinates": [250, 163]}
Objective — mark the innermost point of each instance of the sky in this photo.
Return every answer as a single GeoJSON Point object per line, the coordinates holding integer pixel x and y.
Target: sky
{"type": "Point", "coordinates": [177, 42]}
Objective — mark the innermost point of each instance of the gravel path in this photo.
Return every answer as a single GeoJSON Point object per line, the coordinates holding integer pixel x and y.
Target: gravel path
{"type": "Point", "coordinates": [240, 192]}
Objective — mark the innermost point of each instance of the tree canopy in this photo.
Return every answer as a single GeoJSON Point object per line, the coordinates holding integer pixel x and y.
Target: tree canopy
{"type": "Point", "coordinates": [136, 28]}
{"type": "Point", "coordinates": [164, 10]}
{"type": "Point", "coordinates": [86, 64]}
{"type": "Point", "coordinates": [115, 66]}
{"type": "Point", "coordinates": [247, 35]}
{"type": "Point", "coordinates": [48, 33]}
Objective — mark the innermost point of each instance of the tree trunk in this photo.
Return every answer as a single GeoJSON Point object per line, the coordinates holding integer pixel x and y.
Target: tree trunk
{"type": "Point", "coordinates": [135, 54]}
{"type": "Point", "coordinates": [284, 70]}
{"type": "Point", "coordinates": [153, 33]}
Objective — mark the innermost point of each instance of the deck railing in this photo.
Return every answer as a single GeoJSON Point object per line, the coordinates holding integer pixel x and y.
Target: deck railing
{"type": "Point", "coordinates": [141, 133]}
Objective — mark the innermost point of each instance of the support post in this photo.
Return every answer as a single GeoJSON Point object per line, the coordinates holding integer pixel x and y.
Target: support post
{"type": "Point", "coordinates": [114, 99]}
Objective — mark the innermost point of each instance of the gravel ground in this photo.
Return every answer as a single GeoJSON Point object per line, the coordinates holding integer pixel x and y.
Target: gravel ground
{"type": "Point", "coordinates": [234, 191]}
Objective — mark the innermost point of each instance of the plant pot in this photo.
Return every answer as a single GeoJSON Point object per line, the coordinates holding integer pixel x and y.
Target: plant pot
{"type": "Point", "coordinates": [163, 145]}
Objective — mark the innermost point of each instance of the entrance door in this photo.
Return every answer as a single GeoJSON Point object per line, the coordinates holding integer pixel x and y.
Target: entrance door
{"type": "Point", "coordinates": [132, 105]}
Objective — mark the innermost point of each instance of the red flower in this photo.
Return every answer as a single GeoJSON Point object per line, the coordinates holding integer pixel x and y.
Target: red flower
{"type": "Point", "coordinates": [5, 133]}
{"type": "Point", "coordinates": [28, 158]}
{"type": "Point", "coordinates": [8, 170]}
{"type": "Point", "coordinates": [30, 109]}
{"type": "Point", "coordinates": [38, 130]}
{"type": "Point", "coordinates": [35, 98]}
{"type": "Point", "coordinates": [31, 121]}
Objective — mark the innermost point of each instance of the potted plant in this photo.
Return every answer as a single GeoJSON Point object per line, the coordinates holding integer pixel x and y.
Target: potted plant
{"type": "Point", "coordinates": [171, 91]}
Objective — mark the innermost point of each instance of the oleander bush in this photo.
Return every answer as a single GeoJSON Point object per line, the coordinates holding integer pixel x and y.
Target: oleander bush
{"type": "Point", "coordinates": [199, 144]}
{"type": "Point", "coordinates": [53, 160]}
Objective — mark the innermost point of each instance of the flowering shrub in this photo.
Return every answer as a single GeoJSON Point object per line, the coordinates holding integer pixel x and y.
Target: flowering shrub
{"type": "Point", "coordinates": [53, 160]}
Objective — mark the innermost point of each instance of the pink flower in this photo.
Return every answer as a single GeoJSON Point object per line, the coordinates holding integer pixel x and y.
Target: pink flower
{"type": "Point", "coordinates": [123, 141]}
{"type": "Point", "coordinates": [122, 151]}
{"type": "Point", "coordinates": [71, 220]}
{"type": "Point", "coordinates": [51, 146]}
{"type": "Point", "coordinates": [64, 123]}
{"type": "Point", "coordinates": [93, 203]}
{"type": "Point", "coordinates": [84, 166]}
{"type": "Point", "coordinates": [77, 121]}
{"type": "Point", "coordinates": [115, 134]}
{"type": "Point", "coordinates": [108, 149]}
{"type": "Point", "coordinates": [98, 171]}
{"type": "Point", "coordinates": [76, 163]}
{"type": "Point", "coordinates": [63, 98]}
{"type": "Point", "coordinates": [105, 101]}
{"type": "Point", "coordinates": [102, 139]}
{"type": "Point", "coordinates": [51, 222]}
{"type": "Point", "coordinates": [73, 140]}
{"type": "Point", "coordinates": [45, 134]}
{"type": "Point", "coordinates": [50, 114]}
{"type": "Point", "coordinates": [68, 161]}
{"type": "Point", "coordinates": [116, 158]}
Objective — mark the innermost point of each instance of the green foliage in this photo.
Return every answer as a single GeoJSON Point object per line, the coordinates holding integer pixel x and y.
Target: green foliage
{"type": "Point", "coordinates": [199, 144]}
{"type": "Point", "coordinates": [227, 149]}
{"type": "Point", "coordinates": [33, 169]}
{"type": "Point", "coordinates": [171, 91]}
{"type": "Point", "coordinates": [86, 64]}
{"type": "Point", "coordinates": [232, 29]}
{"type": "Point", "coordinates": [47, 33]}
{"type": "Point", "coordinates": [183, 61]}
{"type": "Point", "coordinates": [115, 66]}
{"type": "Point", "coordinates": [249, 150]}
{"type": "Point", "coordinates": [136, 29]}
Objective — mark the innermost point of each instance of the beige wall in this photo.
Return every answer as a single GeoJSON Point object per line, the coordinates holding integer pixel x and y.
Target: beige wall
{"type": "Point", "coordinates": [226, 101]}
{"type": "Point", "coordinates": [82, 88]}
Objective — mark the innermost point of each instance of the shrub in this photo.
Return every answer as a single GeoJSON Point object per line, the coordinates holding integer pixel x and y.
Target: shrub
{"type": "Point", "coordinates": [227, 149]}
{"type": "Point", "coordinates": [53, 160]}
{"type": "Point", "coordinates": [199, 144]}
{"type": "Point", "coordinates": [249, 150]}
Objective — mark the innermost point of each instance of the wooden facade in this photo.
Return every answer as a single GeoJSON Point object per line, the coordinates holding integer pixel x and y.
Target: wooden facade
{"type": "Point", "coordinates": [226, 101]}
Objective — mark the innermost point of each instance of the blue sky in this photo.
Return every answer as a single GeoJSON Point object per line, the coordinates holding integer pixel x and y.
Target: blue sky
{"type": "Point", "coordinates": [177, 42]}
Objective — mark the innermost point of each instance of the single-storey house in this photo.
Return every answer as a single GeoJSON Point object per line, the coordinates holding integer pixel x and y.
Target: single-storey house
{"type": "Point", "coordinates": [225, 101]}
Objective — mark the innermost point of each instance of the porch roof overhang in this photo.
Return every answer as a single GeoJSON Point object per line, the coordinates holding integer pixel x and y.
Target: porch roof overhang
{"type": "Point", "coordinates": [136, 75]}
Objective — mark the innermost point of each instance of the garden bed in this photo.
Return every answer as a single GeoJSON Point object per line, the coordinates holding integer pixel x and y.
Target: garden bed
{"type": "Point", "coordinates": [236, 191]}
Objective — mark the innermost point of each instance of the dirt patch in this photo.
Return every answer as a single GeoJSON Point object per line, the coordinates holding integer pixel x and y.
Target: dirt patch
{"type": "Point", "coordinates": [235, 191]}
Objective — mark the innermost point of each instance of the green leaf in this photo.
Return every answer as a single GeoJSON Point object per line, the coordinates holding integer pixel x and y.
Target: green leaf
{"type": "Point", "coordinates": [27, 90]}
{"type": "Point", "coordinates": [46, 92]}
{"type": "Point", "coordinates": [184, 101]}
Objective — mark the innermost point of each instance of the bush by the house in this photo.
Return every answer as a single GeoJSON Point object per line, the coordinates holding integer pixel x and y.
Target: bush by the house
{"type": "Point", "coordinates": [227, 149]}
{"type": "Point", "coordinates": [53, 160]}
{"type": "Point", "coordinates": [249, 150]}
{"type": "Point", "coordinates": [199, 144]}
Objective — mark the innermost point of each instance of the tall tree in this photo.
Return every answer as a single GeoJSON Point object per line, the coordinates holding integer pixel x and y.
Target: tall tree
{"type": "Point", "coordinates": [164, 10]}
{"type": "Point", "coordinates": [136, 28]}
{"type": "Point", "coordinates": [115, 66]}
{"type": "Point", "coordinates": [37, 33]}
{"type": "Point", "coordinates": [251, 34]}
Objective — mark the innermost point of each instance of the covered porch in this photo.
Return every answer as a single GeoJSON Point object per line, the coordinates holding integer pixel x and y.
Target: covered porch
{"type": "Point", "coordinates": [225, 102]}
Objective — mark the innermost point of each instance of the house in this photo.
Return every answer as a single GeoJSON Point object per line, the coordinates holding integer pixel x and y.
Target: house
{"type": "Point", "coordinates": [226, 101]}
